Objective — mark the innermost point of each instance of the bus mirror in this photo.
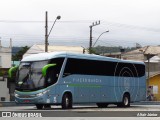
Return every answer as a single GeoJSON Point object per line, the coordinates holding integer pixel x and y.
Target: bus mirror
{"type": "Point", "coordinates": [45, 68]}
{"type": "Point", "coordinates": [12, 71]}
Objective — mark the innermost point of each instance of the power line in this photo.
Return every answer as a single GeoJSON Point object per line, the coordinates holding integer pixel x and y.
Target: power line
{"type": "Point", "coordinates": [131, 26]}
{"type": "Point", "coordinates": [87, 21]}
{"type": "Point", "coordinates": [23, 21]}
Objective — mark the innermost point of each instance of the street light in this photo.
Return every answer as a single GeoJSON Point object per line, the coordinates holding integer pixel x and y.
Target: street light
{"type": "Point", "coordinates": [46, 30]}
{"type": "Point", "coordinates": [99, 37]}
{"type": "Point", "coordinates": [57, 18]}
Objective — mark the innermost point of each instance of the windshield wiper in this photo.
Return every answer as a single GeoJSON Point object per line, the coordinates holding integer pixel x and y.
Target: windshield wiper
{"type": "Point", "coordinates": [40, 79]}
{"type": "Point", "coordinates": [24, 80]}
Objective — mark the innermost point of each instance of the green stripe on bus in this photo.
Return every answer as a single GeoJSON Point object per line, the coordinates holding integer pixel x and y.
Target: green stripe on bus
{"type": "Point", "coordinates": [82, 85]}
{"type": "Point", "coordinates": [44, 69]}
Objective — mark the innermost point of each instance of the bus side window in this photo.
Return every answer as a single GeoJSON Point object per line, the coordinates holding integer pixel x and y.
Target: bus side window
{"type": "Point", "coordinates": [59, 63]}
{"type": "Point", "coordinates": [51, 76]}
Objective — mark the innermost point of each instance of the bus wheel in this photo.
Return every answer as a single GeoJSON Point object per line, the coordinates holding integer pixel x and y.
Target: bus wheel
{"type": "Point", "coordinates": [102, 105]}
{"type": "Point", "coordinates": [39, 106]}
{"type": "Point", "coordinates": [67, 101]}
{"type": "Point", "coordinates": [125, 101]}
{"type": "Point", "coordinates": [47, 106]}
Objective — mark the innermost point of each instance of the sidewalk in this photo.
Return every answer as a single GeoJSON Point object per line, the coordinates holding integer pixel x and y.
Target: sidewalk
{"type": "Point", "coordinates": [146, 103]}
{"type": "Point", "coordinates": [12, 103]}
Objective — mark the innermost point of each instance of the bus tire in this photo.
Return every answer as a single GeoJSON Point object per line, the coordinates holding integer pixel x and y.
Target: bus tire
{"type": "Point", "coordinates": [102, 105]}
{"type": "Point", "coordinates": [47, 106]}
{"type": "Point", "coordinates": [67, 101]}
{"type": "Point", "coordinates": [125, 101]}
{"type": "Point", "coordinates": [39, 106]}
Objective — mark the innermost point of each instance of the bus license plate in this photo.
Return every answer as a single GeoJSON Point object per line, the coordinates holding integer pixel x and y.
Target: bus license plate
{"type": "Point", "coordinates": [26, 101]}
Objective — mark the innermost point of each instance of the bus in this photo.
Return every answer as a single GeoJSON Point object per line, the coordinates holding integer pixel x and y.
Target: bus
{"type": "Point", "coordinates": [63, 78]}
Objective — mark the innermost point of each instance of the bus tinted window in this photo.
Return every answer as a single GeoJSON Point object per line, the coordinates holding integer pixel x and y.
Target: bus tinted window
{"type": "Point", "coordinates": [53, 72]}
{"type": "Point", "coordinates": [105, 68]}
{"type": "Point", "coordinates": [58, 62]}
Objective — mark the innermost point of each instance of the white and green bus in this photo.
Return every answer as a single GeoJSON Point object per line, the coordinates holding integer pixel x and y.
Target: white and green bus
{"type": "Point", "coordinates": [65, 79]}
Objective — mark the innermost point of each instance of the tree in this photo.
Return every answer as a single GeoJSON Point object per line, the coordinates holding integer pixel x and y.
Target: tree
{"type": "Point", "coordinates": [105, 49]}
{"type": "Point", "coordinates": [92, 51]}
{"type": "Point", "coordinates": [18, 56]}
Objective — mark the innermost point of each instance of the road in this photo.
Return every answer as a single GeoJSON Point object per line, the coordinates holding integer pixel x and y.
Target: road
{"type": "Point", "coordinates": [85, 108]}
{"type": "Point", "coordinates": [91, 112]}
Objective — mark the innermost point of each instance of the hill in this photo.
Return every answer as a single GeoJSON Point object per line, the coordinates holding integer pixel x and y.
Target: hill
{"type": "Point", "coordinates": [104, 49]}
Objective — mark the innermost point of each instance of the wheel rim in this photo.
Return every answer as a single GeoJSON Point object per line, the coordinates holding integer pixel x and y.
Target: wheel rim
{"type": "Point", "coordinates": [126, 101]}
{"type": "Point", "coordinates": [67, 101]}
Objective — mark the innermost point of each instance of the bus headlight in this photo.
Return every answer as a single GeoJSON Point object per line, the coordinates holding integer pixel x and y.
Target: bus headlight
{"type": "Point", "coordinates": [16, 95]}
{"type": "Point", "coordinates": [41, 93]}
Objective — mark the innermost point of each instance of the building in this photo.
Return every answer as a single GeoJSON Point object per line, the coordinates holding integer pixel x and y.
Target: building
{"type": "Point", "coordinates": [5, 64]}
{"type": "Point", "coordinates": [5, 57]}
{"type": "Point", "coordinates": [4, 94]}
{"type": "Point", "coordinates": [35, 49]}
{"type": "Point", "coordinates": [154, 87]}
{"type": "Point", "coordinates": [150, 55]}
{"type": "Point", "coordinates": [142, 54]}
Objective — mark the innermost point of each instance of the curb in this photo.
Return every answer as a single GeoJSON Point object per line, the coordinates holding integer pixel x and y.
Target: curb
{"type": "Point", "coordinates": [12, 103]}
{"type": "Point", "coordinates": [146, 103]}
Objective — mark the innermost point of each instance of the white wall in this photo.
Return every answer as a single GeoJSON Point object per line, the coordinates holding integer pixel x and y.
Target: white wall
{"type": "Point", "coordinates": [5, 60]}
{"type": "Point", "coordinates": [5, 56]}
{"type": "Point", "coordinates": [4, 90]}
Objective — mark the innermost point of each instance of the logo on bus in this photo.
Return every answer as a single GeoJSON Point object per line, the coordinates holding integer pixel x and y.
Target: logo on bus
{"type": "Point", "coordinates": [87, 80]}
{"type": "Point", "coordinates": [126, 83]}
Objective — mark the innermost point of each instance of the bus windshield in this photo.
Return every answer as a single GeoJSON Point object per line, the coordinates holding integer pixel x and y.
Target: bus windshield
{"type": "Point", "coordinates": [30, 76]}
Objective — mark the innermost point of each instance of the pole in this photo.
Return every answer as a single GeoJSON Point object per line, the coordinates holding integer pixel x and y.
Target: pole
{"type": "Point", "coordinates": [11, 43]}
{"type": "Point", "coordinates": [148, 55]}
{"type": "Point", "coordinates": [46, 32]}
{"type": "Point", "coordinates": [90, 42]}
{"type": "Point", "coordinates": [99, 37]}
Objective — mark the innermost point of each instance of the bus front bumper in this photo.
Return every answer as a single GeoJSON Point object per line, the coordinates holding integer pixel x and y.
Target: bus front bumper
{"type": "Point", "coordinates": [36, 100]}
{"type": "Point", "coordinates": [31, 98]}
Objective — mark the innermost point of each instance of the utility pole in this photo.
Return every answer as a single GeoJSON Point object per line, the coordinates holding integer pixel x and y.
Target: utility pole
{"type": "Point", "coordinates": [90, 41]}
{"type": "Point", "coordinates": [46, 32]}
{"type": "Point", "coordinates": [148, 58]}
{"type": "Point", "coordinates": [10, 43]}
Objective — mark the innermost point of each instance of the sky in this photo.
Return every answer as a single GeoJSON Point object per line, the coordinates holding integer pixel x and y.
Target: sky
{"type": "Point", "coordinates": [128, 21]}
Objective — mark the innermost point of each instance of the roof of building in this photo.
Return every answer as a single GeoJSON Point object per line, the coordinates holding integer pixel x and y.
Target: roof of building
{"type": "Point", "coordinates": [41, 49]}
{"type": "Point", "coordinates": [146, 50]}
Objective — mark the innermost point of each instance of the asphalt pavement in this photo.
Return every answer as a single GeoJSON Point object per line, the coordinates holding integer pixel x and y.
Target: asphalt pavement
{"type": "Point", "coordinates": [12, 103]}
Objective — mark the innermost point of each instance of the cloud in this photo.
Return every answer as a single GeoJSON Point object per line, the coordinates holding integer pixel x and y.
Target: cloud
{"type": "Point", "coordinates": [129, 21]}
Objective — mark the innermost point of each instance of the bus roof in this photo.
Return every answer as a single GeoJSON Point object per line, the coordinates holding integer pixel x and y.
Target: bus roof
{"type": "Point", "coordinates": [48, 56]}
